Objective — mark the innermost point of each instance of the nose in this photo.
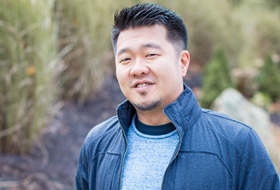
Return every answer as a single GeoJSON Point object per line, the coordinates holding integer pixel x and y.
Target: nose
{"type": "Point", "coordinates": [139, 68]}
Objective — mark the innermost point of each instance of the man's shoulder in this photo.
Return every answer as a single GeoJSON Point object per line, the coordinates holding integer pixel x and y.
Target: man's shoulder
{"type": "Point", "coordinates": [103, 129]}
{"type": "Point", "coordinates": [226, 128]}
{"type": "Point", "coordinates": [222, 120]}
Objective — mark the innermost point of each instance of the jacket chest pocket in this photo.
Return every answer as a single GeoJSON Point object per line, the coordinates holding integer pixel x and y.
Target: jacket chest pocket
{"type": "Point", "coordinates": [198, 170]}
{"type": "Point", "coordinates": [105, 171]}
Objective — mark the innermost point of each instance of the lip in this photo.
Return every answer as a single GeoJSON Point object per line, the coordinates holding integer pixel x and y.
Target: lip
{"type": "Point", "coordinates": [134, 84]}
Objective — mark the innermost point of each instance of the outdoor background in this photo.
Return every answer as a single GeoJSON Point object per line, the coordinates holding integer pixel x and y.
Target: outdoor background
{"type": "Point", "coordinates": [57, 77]}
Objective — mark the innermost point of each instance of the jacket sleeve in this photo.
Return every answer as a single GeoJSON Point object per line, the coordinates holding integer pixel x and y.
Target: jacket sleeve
{"type": "Point", "coordinates": [82, 182]}
{"type": "Point", "coordinates": [256, 170]}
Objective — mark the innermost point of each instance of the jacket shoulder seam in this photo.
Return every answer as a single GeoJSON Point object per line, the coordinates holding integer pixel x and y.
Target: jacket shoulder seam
{"type": "Point", "coordinates": [224, 137]}
{"type": "Point", "coordinates": [233, 120]}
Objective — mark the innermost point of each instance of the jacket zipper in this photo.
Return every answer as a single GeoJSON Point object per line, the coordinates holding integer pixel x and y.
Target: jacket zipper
{"type": "Point", "coordinates": [176, 152]}
{"type": "Point", "coordinates": [124, 153]}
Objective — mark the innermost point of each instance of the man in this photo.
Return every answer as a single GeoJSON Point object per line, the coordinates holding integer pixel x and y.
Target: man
{"type": "Point", "coordinates": [161, 138]}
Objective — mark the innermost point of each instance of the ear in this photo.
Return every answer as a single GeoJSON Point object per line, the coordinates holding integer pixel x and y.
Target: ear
{"type": "Point", "coordinates": [184, 62]}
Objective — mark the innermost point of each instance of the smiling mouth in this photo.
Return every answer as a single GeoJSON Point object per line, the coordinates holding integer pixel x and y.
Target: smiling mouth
{"type": "Point", "coordinates": [143, 84]}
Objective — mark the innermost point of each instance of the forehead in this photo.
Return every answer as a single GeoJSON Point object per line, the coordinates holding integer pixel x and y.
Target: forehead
{"type": "Point", "coordinates": [138, 36]}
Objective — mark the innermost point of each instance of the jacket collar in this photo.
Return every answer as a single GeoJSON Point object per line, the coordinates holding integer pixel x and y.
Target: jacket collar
{"type": "Point", "coordinates": [183, 113]}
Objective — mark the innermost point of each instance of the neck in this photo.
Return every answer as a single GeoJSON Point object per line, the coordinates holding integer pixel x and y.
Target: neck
{"type": "Point", "coordinates": [152, 118]}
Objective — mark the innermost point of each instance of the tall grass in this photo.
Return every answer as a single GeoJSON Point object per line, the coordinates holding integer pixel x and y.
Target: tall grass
{"type": "Point", "coordinates": [84, 28]}
{"type": "Point", "coordinates": [27, 68]}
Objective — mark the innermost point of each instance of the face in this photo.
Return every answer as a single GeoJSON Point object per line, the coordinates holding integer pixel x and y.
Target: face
{"type": "Point", "coordinates": [148, 69]}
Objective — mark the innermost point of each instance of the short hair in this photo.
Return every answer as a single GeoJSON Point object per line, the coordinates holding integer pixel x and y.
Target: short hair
{"type": "Point", "coordinates": [146, 14]}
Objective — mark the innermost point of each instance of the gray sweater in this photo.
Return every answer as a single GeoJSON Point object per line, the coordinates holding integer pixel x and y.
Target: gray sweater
{"type": "Point", "coordinates": [147, 158]}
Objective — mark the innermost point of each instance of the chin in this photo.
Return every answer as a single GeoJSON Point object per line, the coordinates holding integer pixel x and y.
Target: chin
{"type": "Point", "coordinates": [148, 106]}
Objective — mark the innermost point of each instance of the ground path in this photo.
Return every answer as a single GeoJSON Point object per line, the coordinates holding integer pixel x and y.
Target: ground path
{"type": "Point", "coordinates": [52, 163]}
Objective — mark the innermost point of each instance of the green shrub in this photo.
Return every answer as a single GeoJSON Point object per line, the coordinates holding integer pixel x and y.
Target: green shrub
{"type": "Point", "coordinates": [262, 100]}
{"type": "Point", "coordinates": [217, 77]}
{"type": "Point", "coordinates": [27, 70]}
{"type": "Point", "coordinates": [235, 2]}
{"type": "Point", "coordinates": [269, 79]}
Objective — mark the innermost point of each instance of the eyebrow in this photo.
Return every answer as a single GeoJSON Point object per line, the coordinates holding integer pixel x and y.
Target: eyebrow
{"type": "Point", "coordinates": [123, 51]}
{"type": "Point", "coordinates": [151, 45]}
{"type": "Point", "coordinates": [148, 45]}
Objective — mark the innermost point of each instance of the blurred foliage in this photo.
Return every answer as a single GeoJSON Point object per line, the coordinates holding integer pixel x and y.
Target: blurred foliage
{"type": "Point", "coordinates": [260, 31]}
{"type": "Point", "coordinates": [61, 49]}
{"type": "Point", "coordinates": [217, 77]}
{"type": "Point", "coordinates": [245, 81]}
{"type": "Point", "coordinates": [235, 2]}
{"type": "Point", "coordinates": [209, 26]}
{"type": "Point", "coordinates": [262, 100]}
{"type": "Point", "coordinates": [84, 32]}
{"type": "Point", "coordinates": [27, 70]}
{"type": "Point", "coordinates": [269, 79]}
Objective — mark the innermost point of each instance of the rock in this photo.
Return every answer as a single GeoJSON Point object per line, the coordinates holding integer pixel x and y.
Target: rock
{"type": "Point", "coordinates": [232, 103]}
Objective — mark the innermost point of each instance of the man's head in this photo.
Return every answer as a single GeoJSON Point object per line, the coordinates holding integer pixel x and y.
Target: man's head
{"type": "Point", "coordinates": [142, 15]}
{"type": "Point", "coordinates": [150, 65]}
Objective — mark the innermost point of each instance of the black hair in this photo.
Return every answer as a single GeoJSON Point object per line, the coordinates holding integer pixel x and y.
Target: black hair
{"type": "Point", "coordinates": [148, 15]}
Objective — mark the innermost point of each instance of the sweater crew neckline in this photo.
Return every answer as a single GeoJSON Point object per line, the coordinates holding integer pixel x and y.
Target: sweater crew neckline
{"type": "Point", "coordinates": [154, 130]}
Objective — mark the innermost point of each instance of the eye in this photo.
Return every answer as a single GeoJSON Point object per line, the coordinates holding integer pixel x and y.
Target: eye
{"type": "Point", "coordinates": [151, 55]}
{"type": "Point", "coordinates": [125, 60]}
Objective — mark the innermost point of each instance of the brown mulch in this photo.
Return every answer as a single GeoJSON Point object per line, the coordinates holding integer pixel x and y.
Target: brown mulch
{"type": "Point", "coordinates": [53, 161]}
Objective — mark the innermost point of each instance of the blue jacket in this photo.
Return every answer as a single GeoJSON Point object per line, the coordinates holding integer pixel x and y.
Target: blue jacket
{"type": "Point", "coordinates": [214, 151]}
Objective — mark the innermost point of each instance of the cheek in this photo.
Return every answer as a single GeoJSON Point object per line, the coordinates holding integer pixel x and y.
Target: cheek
{"type": "Point", "coordinates": [121, 77]}
{"type": "Point", "coordinates": [119, 73]}
{"type": "Point", "coordinates": [167, 70]}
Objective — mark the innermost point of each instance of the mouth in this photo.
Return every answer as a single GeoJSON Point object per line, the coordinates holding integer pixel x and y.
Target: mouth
{"type": "Point", "coordinates": [139, 85]}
